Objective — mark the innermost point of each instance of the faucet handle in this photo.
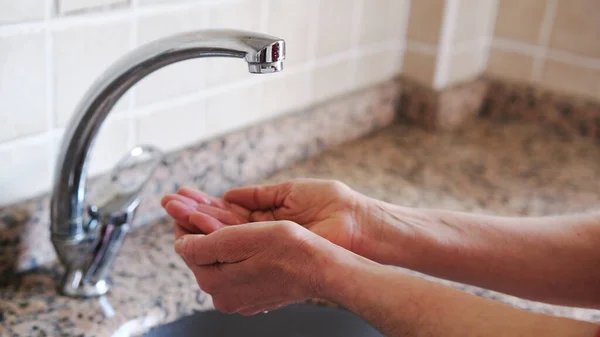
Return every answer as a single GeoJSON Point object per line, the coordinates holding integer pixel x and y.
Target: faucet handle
{"type": "Point", "coordinates": [120, 191]}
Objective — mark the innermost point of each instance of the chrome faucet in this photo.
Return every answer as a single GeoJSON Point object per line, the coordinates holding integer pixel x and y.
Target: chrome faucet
{"type": "Point", "coordinates": [87, 244]}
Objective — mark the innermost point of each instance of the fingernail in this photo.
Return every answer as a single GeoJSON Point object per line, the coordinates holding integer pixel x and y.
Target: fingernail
{"type": "Point", "coordinates": [180, 245]}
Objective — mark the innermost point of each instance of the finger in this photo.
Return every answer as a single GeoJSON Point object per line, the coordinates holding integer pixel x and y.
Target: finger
{"type": "Point", "coordinates": [262, 216]}
{"type": "Point", "coordinates": [203, 198]}
{"type": "Point", "coordinates": [225, 216]}
{"type": "Point", "coordinates": [231, 244]}
{"type": "Point", "coordinates": [181, 212]}
{"type": "Point", "coordinates": [205, 223]}
{"type": "Point", "coordinates": [198, 196]}
{"type": "Point", "coordinates": [180, 230]}
{"type": "Point", "coordinates": [176, 197]}
{"type": "Point", "coordinates": [196, 249]}
{"type": "Point", "coordinates": [258, 197]}
{"type": "Point", "coordinates": [178, 210]}
{"type": "Point", "coordinates": [239, 210]}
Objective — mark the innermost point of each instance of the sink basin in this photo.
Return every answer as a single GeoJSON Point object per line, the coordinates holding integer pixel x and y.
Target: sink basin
{"type": "Point", "coordinates": [298, 320]}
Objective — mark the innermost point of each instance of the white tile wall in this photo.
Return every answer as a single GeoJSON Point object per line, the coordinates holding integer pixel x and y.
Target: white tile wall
{"type": "Point", "coordinates": [22, 85]}
{"type": "Point", "coordinates": [66, 6]}
{"type": "Point", "coordinates": [335, 26]}
{"type": "Point", "coordinates": [467, 64]}
{"type": "Point", "coordinates": [47, 62]}
{"type": "Point", "coordinates": [26, 169]}
{"type": "Point", "coordinates": [298, 29]}
{"type": "Point", "coordinates": [287, 92]}
{"type": "Point", "coordinates": [81, 54]}
{"type": "Point", "coordinates": [180, 78]}
{"type": "Point", "coordinates": [334, 79]}
{"type": "Point", "coordinates": [113, 142]}
{"type": "Point", "coordinates": [473, 19]}
{"type": "Point", "coordinates": [244, 15]}
{"type": "Point", "coordinates": [383, 20]}
{"type": "Point", "coordinates": [378, 66]}
{"type": "Point", "coordinates": [21, 10]}
{"type": "Point", "coordinates": [173, 128]}
{"type": "Point", "coordinates": [233, 109]}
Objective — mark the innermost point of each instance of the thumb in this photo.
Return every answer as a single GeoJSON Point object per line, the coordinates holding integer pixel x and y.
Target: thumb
{"type": "Point", "coordinates": [196, 249]}
{"type": "Point", "coordinates": [259, 197]}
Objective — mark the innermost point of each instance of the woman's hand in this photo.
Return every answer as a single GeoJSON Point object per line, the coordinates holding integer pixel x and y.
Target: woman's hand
{"type": "Point", "coordinates": [327, 208]}
{"type": "Point", "coordinates": [260, 266]}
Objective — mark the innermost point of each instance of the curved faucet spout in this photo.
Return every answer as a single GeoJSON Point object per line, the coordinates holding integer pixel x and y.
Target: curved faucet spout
{"type": "Point", "coordinates": [263, 53]}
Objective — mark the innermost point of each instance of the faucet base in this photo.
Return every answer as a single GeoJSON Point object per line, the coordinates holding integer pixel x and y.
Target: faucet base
{"type": "Point", "coordinates": [73, 285]}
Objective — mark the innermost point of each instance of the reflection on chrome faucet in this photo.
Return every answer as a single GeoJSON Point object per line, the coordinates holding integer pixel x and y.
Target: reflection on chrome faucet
{"type": "Point", "coordinates": [87, 244]}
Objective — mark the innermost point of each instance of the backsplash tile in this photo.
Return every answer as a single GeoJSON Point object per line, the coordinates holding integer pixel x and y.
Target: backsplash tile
{"type": "Point", "coordinates": [173, 128]}
{"type": "Point", "coordinates": [510, 64]}
{"type": "Point", "coordinates": [66, 6]}
{"type": "Point", "coordinates": [571, 79]}
{"type": "Point", "coordinates": [234, 109]}
{"type": "Point", "coordinates": [82, 54]}
{"type": "Point", "coordinates": [466, 65]}
{"type": "Point", "coordinates": [333, 79]}
{"type": "Point", "coordinates": [576, 27]}
{"type": "Point", "coordinates": [32, 159]}
{"type": "Point", "coordinates": [335, 26]}
{"type": "Point", "coordinates": [561, 37]}
{"type": "Point", "coordinates": [244, 15]}
{"type": "Point", "coordinates": [286, 92]}
{"type": "Point", "coordinates": [383, 20]}
{"type": "Point", "coordinates": [21, 10]}
{"type": "Point", "coordinates": [425, 21]}
{"type": "Point", "coordinates": [378, 66]}
{"type": "Point", "coordinates": [419, 67]}
{"type": "Point", "coordinates": [298, 29]}
{"type": "Point", "coordinates": [520, 20]}
{"type": "Point", "coordinates": [181, 78]}
{"type": "Point", "coordinates": [113, 142]}
{"type": "Point", "coordinates": [22, 85]}
{"type": "Point", "coordinates": [474, 19]}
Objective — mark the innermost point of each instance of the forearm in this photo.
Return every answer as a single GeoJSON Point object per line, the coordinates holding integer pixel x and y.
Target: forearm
{"type": "Point", "coordinates": [550, 259]}
{"type": "Point", "coordinates": [403, 306]}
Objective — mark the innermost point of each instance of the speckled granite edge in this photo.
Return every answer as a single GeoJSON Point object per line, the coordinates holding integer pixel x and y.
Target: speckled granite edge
{"type": "Point", "coordinates": [501, 102]}
{"type": "Point", "coordinates": [215, 166]}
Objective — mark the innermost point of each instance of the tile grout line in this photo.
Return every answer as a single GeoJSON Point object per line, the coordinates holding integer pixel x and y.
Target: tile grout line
{"type": "Point", "coordinates": [404, 44]}
{"type": "Point", "coordinates": [264, 15]}
{"type": "Point", "coordinates": [442, 66]}
{"type": "Point", "coordinates": [544, 39]}
{"type": "Point", "coordinates": [489, 37]}
{"type": "Point", "coordinates": [98, 17]}
{"type": "Point", "coordinates": [50, 90]}
{"type": "Point", "coordinates": [533, 50]}
{"type": "Point", "coordinates": [356, 20]}
{"type": "Point", "coordinates": [421, 47]}
{"type": "Point", "coordinates": [133, 43]}
{"type": "Point", "coordinates": [464, 46]}
{"type": "Point", "coordinates": [313, 41]}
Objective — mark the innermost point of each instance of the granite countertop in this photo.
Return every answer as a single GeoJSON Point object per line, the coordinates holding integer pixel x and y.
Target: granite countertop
{"type": "Point", "coordinates": [492, 168]}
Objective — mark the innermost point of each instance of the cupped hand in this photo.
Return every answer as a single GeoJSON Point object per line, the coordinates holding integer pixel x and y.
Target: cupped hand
{"type": "Point", "coordinates": [259, 266]}
{"type": "Point", "coordinates": [327, 208]}
{"type": "Point", "coordinates": [196, 212]}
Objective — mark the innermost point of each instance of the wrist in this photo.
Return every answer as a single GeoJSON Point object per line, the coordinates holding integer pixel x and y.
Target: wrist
{"type": "Point", "coordinates": [338, 274]}
{"type": "Point", "coordinates": [402, 236]}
